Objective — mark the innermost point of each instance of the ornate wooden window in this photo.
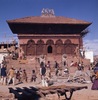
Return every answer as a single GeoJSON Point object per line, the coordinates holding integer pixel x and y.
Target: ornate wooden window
{"type": "Point", "coordinates": [30, 48]}
{"type": "Point", "coordinates": [59, 46]}
{"type": "Point", "coordinates": [40, 47]}
{"type": "Point", "coordinates": [69, 47]}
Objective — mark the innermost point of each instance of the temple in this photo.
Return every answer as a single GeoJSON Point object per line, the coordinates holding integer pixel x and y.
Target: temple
{"type": "Point", "coordinates": [49, 35]}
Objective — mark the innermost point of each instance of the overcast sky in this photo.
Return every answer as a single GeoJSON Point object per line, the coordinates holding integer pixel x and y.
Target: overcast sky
{"type": "Point", "coordinates": [79, 9]}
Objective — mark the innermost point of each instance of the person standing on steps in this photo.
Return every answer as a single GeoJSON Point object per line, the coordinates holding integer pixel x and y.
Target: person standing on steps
{"type": "Point", "coordinates": [24, 75]}
{"type": "Point", "coordinates": [11, 75]}
{"type": "Point", "coordinates": [33, 78]}
{"type": "Point", "coordinates": [56, 66]}
{"type": "Point", "coordinates": [3, 75]}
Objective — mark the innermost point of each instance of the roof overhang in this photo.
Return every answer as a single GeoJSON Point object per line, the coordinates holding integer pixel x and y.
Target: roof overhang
{"type": "Point", "coordinates": [36, 25]}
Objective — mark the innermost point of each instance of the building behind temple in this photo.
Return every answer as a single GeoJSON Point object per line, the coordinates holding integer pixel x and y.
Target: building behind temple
{"type": "Point", "coordinates": [49, 35]}
{"type": "Point", "coordinates": [7, 48]}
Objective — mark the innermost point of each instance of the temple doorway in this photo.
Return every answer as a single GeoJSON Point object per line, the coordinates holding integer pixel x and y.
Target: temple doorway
{"type": "Point", "coordinates": [49, 49]}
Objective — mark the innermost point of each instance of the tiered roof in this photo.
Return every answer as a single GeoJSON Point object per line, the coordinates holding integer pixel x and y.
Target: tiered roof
{"type": "Point", "coordinates": [47, 25]}
{"type": "Point", "coordinates": [48, 20]}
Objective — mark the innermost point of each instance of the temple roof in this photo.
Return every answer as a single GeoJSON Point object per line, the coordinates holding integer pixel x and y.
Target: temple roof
{"type": "Point", "coordinates": [47, 24]}
{"type": "Point", "coordinates": [48, 20]}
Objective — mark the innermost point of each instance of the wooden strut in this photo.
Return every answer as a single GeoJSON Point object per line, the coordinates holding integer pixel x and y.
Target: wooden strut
{"type": "Point", "coordinates": [61, 92]}
{"type": "Point", "coordinates": [69, 98]}
{"type": "Point", "coordinates": [71, 92]}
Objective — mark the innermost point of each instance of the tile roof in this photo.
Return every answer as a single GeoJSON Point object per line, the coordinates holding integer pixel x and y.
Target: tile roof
{"type": "Point", "coordinates": [48, 20]}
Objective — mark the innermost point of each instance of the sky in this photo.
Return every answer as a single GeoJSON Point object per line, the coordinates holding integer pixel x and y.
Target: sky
{"type": "Point", "coordinates": [86, 10]}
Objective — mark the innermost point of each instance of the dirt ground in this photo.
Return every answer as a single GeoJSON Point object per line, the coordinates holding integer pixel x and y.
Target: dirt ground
{"type": "Point", "coordinates": [84, 94]}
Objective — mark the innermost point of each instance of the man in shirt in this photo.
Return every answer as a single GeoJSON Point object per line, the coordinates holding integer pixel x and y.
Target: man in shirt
{"type": "Point", "coordinates": [11, 75]}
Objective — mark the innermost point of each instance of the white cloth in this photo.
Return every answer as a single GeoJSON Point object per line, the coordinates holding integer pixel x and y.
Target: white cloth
{"type": "Point", "coordinates": [44, 83]}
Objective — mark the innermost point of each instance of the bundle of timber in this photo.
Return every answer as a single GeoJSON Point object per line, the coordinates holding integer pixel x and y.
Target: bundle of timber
{"type": "Point", "coordinates": [33, 93]}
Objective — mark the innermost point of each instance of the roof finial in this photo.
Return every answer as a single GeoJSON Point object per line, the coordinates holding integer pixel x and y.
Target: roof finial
{"type": "Point", "coordinates": [47, 12]}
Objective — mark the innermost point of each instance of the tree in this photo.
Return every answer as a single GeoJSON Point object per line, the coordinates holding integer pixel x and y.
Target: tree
{"type": "Point", "coordinates": [84, 32]}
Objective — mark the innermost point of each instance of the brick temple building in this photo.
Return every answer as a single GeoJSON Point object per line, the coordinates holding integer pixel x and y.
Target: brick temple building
{"type": "Point", "coordinates": [49, 35]}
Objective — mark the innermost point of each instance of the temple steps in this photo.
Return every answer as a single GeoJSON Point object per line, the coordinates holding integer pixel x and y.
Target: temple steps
{"type": "Point", "coordinates": [32, 63]}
